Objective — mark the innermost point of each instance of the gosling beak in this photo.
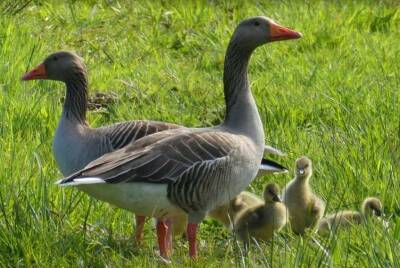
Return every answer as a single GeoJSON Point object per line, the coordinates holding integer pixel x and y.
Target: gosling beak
{"type": "Point", "coordinates": [279, 33]}
{"type": "Point", "coordinates": [301, 171]}
{"type": "Point", "coordinates": [277, 198]}
{"type": "Point", "coordinates": [37, 73]}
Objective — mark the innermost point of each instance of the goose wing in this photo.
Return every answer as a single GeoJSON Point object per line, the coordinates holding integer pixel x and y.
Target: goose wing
{"type": "Point", "coordinates": [121, 134]}
{"type": "Point", "coordinates": [162, 157]}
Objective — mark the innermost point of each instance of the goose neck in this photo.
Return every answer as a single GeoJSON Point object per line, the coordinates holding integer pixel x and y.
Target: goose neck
{"type": "Point", "coordinates": [236, 82]}
{"type": "Point", "coordinates": [75, 104]}
{"type": "Point", "coordinates": [241, 110]}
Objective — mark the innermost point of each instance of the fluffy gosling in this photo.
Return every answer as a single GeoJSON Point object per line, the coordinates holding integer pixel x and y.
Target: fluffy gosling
{"type": "Point", "coordinates": [227, 213]}
{"type": "Point", "coordinates": [371, 206]}
{"type": "Point", "coordinates": [305, 208]}
{"type": "Point", "coordinates": [261, 221]}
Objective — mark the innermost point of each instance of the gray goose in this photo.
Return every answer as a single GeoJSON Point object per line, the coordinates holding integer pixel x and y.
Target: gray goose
{"type": "Point", "coordinates": [371, 206]}
{"type": "Point", "coordinates": [191, 170]}
{"type": "Point", "coordinates": [305, 208]}
{"type": "Point", "coordinates": [75, 143]}
{"type": "Point", "coordinates": [261, 221]}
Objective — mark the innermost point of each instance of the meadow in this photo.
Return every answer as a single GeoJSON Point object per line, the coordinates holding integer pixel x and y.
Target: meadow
{"type": "Point", "coordinates": [332, 95]}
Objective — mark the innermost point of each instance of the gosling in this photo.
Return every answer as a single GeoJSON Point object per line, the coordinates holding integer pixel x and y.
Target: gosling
{"type": "Point", "coordinates": [227, 213]}
{"type": "Point", "coordinates": [261, 221]}
{"type": "Point", "coordinates": [371, 206]}
{"type": "Point", "coordinates": [305, 208]}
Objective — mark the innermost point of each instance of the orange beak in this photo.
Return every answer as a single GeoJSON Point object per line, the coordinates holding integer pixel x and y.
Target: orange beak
{"type": "Point", "coordinates": [278, 33]}
{"type": "Point", "coordinates": [37, 73]}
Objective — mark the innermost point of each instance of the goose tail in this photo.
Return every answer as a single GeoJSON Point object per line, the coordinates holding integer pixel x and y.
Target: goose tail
{"type": "Point", "coordinates": [270, 167]}
{"type": "Point", "coordinates": [65, 182]}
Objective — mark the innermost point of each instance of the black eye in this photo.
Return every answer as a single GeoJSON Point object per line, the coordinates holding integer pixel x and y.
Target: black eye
{"type": "Point", "coordinates": [271, 192]}
{"type": "Point", "coordinates": [306, 166]}
{"type": "Point", "coordinates": [55, 58]}
{"type": "Point", "coordinates": [256, 23]}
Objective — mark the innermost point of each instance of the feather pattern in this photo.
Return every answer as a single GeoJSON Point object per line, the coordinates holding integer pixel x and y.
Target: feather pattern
{"type": "Point", "coordinates": [190, 163]}
{"type": "Point", "coordinates": [163, 160]}
{"type": "Point", "coordinates": [121, 134]}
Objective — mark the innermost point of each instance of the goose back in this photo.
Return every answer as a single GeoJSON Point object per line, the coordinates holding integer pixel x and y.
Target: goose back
{"type": "Point", "coordinates": [75, 145]}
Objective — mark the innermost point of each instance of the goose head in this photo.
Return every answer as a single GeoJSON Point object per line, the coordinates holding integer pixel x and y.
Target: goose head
{"type": "Point", "coordinates": [271, 193]}
{"type": "Point", "coordinates": [59, 66]}
{"type": "Point", "coordinates": [303, 167]}
{"type": "Point", "coordinates": [372, 206]}
{"type": "Point", "coordinates": [257, 31]}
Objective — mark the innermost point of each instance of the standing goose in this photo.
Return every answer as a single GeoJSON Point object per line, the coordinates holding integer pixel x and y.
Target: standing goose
{"type": "Point", "coordinates": [371, 206]}
{"type": "Point", "coordinates": [261, 221]}
{"type": "Point", "coordinates": [305, 208]}
{"type": "Point", "coordinates": [191, 170]}
{"type": "Point", "coordinates": [76, 144]}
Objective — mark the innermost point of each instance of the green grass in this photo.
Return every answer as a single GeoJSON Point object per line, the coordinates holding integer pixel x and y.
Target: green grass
{"type": "Point", "coordinates": [332, 95]}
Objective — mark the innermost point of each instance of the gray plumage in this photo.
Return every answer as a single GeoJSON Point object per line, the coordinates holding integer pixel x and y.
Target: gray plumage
{"type": "Point", "coordinates": [75, 143]}
{"type": "Point", "coordinates": [210, 156]}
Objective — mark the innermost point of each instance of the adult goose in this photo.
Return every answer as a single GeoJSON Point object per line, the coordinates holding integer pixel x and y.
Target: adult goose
{"type": "Point", "coordinates": [76, 144]}
{"type": "Point", "coordinates": [191, 170]}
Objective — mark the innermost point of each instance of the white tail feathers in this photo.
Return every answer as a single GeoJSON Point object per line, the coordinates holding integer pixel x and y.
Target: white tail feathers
{"type": "Point", "coordinates": [272, 169]}
{"type": "Point", "coordinates": [265, 169]}
{"type": "Point", "coordinates": [80, 181]}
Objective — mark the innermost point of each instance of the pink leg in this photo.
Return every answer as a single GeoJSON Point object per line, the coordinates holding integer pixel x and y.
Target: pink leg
{"type": "Point", "coordinates": [191, 233]}
{"type": "Point", "coordinates": [168, 222]}
{"type": "Point", "coordinates": [139, 228]}
{"type": "Point", "coordinates": [162, 230]}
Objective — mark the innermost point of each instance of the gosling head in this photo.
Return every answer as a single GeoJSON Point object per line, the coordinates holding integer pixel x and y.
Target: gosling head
{"type": "Point", "coordinates": [372, 206]}
{"type": "Point", "coordinates": [303, 167]}
{"type": "Point", "coordinates": [60, 66]}
{"type": "Point", "coordinates": [271, 193]}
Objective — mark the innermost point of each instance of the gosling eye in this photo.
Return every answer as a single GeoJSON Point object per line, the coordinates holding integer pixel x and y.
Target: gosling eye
{"type": "Point", "coordinates": [306, 166]}
{"type": "Point", "coordinates": [256, 23]}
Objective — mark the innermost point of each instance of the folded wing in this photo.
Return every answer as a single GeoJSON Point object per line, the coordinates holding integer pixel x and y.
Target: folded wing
{"type": "Point", "coordinates": [161, 157]}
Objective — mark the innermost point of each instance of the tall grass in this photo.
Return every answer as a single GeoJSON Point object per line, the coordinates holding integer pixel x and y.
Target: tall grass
{"type": "Point", "coordinates": [332, 95]}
